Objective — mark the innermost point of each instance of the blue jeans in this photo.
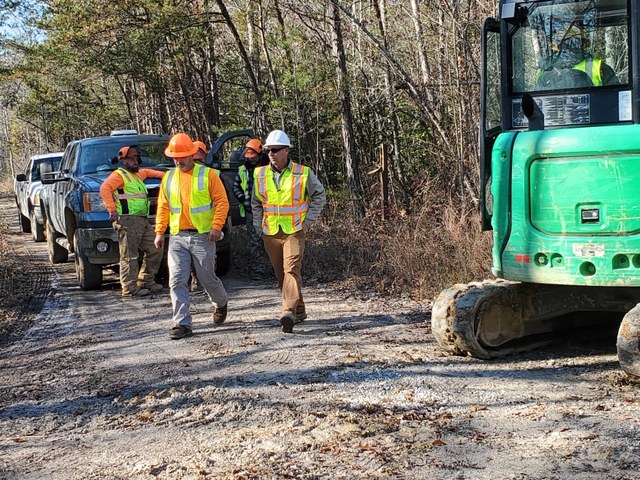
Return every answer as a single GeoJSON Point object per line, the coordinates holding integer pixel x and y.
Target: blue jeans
{"type": "Point", "coordinates": [185, 249]}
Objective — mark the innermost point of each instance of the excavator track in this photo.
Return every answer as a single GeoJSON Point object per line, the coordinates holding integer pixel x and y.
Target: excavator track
{"type": "Point", "coordinates": [495, 318]}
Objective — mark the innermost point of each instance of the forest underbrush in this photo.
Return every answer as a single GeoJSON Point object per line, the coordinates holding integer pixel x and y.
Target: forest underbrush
{"type": "Point", "coordinates": [415, 255]}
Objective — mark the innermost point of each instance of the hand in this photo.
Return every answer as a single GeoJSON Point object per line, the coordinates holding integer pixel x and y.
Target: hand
{"type": "Point", "coordinates": [159, 241]}
{"type": "Point", "coordinates": [215, 235]}
{"type": "Point", "coordinates": [113, 216]}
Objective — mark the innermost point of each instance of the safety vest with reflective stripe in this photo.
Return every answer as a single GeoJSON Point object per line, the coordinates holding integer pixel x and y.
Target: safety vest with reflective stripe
{"type": "Point", "coordinates": [201, 207]}
{"type": "Point", "coordinates": [591, 66]}
{"type": "Point", "coordinates": [244, 179]}
{"type": "Point", "coordinates": [132, 198]}
{"type": "Point", "coordinates": [284, 208]}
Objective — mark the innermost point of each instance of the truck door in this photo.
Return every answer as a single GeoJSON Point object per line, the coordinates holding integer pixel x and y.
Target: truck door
{"type": "Point", "coordinates": [59, 190]}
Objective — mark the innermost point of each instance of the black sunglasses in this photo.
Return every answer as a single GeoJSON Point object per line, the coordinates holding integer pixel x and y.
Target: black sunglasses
{"type": "Point", "coordinates": [275, 149]}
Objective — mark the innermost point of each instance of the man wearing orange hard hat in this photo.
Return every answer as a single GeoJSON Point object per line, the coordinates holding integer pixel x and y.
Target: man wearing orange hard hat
{"type": "Point", "coordinates": [253, 156]}
{"type": "Point", "coordinates": [193, 204]}
{"type": "Point", "coordinates": [126, 198]}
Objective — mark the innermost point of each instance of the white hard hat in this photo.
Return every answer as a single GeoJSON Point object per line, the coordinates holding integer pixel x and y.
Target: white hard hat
{"type": "Point", "coordinates": [277, 137]}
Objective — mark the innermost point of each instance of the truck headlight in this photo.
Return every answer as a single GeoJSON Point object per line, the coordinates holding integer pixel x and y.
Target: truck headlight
{"type": "Point", "coordinates": [92, 202]}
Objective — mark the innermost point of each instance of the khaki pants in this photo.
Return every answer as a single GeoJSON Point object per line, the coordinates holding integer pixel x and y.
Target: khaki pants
{"type": "Point", "coordinates": [136, 233]}
{"type": "Point", "coordinates": [285, 252]}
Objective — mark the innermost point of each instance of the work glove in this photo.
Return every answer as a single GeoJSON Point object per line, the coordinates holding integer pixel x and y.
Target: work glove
{"type": "Point", "coordinates": [113, 216]}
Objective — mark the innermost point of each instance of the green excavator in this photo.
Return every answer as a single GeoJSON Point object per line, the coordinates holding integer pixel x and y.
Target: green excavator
{"type": "Point", "coordinates": [560, 178]}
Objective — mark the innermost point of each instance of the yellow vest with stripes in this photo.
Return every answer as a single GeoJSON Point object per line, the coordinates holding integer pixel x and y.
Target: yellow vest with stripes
{"type": "Point", "coordinates": [132, 199]}
{"type": "Point", "coordinates": [201, 208]}
{"type": "Point", "coordinates": [284, 208]}
{"type": "Point", "coordinates": [244, 179]}
{"type": "Point", "coordinates": [591, 66]}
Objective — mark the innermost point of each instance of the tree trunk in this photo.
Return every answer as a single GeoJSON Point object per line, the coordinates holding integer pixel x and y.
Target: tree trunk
{"type": "Point", "coordinates": [259, 110]}
{"type": "Point", "coordinates": [353, 173]}
{"type": "Point", "coordinates": [394, 156]}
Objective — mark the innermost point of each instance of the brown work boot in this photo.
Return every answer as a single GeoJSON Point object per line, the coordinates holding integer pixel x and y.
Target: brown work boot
{"type": "Point", "coordinates": [180, 331]}
{"type": "Point", "coordinates": [219, 315]}
{"type": "Point", "coordinates": [152, 287]}
{"type": "Point", "coordinates": [287, 321]}
{"type": "Point", "coordinates": [196, 286]}
{"type": "Point", "coordinates": [300, 316]}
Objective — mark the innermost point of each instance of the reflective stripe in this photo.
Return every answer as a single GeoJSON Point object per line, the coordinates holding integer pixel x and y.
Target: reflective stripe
{"type": "Point", "coordinates": [283, 210]}
{"type": "Point", "coordinates": [167, 190]}
{"type": "Point", "coordinates": [201, 209]}
{"type": "Point", "coordinates": [260, 174]}
{"type": "Point", "coordinates": [201, 173]}
{"type": "Point", "coordinates": [124, 196]}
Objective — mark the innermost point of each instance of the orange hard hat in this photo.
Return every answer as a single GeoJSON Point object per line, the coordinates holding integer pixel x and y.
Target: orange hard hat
{"type": "Point", "coordinates": [255, 145]}
{"type": "Point", "coordinates": [201, 146]}
{"type": "Point", "coordinates": [124, 151]}
{"type": "Point", "coordinates": [180, 146]}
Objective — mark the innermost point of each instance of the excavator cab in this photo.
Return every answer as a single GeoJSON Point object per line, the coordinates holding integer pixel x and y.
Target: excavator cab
{"type": "Point", "coordinates": [560, 169]}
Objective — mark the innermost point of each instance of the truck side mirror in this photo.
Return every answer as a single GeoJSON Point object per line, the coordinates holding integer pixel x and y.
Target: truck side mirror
{"type": "Point", "coordinates": [21, 177]}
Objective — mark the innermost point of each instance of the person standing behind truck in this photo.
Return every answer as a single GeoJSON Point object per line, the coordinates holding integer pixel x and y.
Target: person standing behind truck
{"type": "Point", "coordinates": [287, 199]}
{"type": "Point", "coordinates": [126, 197]}
{"type": "Point", "coordinates": [252, 157]}
{"type": "Point", "coordinates": [199, 157]}
{"type": "Point", "coordinates": [194, 205]}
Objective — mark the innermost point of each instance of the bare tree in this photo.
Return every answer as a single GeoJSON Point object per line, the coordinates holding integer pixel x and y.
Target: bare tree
{"type": "Point", "coordinates": [348, 137]}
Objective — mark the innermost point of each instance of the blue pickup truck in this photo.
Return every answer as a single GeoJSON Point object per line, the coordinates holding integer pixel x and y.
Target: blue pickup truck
{"type": "Point", "coordinates": [76, 219]}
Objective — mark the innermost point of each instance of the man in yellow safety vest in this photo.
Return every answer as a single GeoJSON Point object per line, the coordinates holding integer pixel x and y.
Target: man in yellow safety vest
{"type": "Point", "coordinates": [287, 198]}
{"type": "Point", "coordinates": [193, 204]}
{"type": "Point", "coordinates": [125, 196]}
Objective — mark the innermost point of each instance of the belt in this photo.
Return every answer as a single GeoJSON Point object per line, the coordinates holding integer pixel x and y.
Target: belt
{"type": "Point", "coordinates": [190, 230]}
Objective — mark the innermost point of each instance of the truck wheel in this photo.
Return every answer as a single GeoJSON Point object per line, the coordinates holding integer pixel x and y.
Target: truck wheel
{"type": "Point", "coordinates": [57, 253]}
{"type": "Point", "coordinates": [25, 223]}
{"type": "Point", "coordinates": [89, 274]}
{"type": "Point", "coordinates": [37, 230]}
{"type": "Point", "coordinates": [223, 261]}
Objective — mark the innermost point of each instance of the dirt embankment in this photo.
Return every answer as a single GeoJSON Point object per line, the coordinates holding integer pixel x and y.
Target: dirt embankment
{"type": "Point", "coordinates": [94, 388]}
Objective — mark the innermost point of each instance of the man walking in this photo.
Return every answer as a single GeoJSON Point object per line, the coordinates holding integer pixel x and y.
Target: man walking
{"type": "Point", "coordinates": [287, 199]}
{"type": "Point", "coordinates": [194, 205]}
{"type": "Point", "coordinates": [126, 197]}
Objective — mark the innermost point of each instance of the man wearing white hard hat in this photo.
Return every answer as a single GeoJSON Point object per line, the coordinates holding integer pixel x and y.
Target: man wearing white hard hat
{"type": "Point", "coordinates": [287, 198]}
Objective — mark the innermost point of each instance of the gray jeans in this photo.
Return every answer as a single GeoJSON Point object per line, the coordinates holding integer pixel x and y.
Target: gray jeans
{"type": "Point", "coordinates": [185, 249]}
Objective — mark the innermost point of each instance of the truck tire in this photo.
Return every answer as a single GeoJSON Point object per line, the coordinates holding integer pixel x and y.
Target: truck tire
{"type": "Point", "coordinates": [57, 253]}
{"type": "Point", "coordinates": [25, 223]}
{"type": "Point", "coordinates": [89, 274]}
{"type": "Point", "coordinates": [37, 230]}
{"type": "Point", "coordinates": [223, 261]}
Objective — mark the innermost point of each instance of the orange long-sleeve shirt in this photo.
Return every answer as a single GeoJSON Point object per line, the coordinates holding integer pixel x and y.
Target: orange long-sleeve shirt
{"type": "Point", "coordinates": [115, 181]}
{"type": "Point", "coordinates": [216, 191]}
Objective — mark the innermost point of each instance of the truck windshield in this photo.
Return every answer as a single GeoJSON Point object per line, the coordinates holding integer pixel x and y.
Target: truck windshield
{"type": "Point", "coordinates": [100, 157]}
{"type": "Point", "coordinates": [565, 45]}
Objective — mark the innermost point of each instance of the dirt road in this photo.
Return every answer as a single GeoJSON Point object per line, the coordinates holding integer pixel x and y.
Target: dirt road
{"type": "Point", "coordinates": [95, 389]}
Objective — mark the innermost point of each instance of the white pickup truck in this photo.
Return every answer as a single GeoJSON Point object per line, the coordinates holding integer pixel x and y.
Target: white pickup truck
{"type": "Point", "coordinates": [27, 187]}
